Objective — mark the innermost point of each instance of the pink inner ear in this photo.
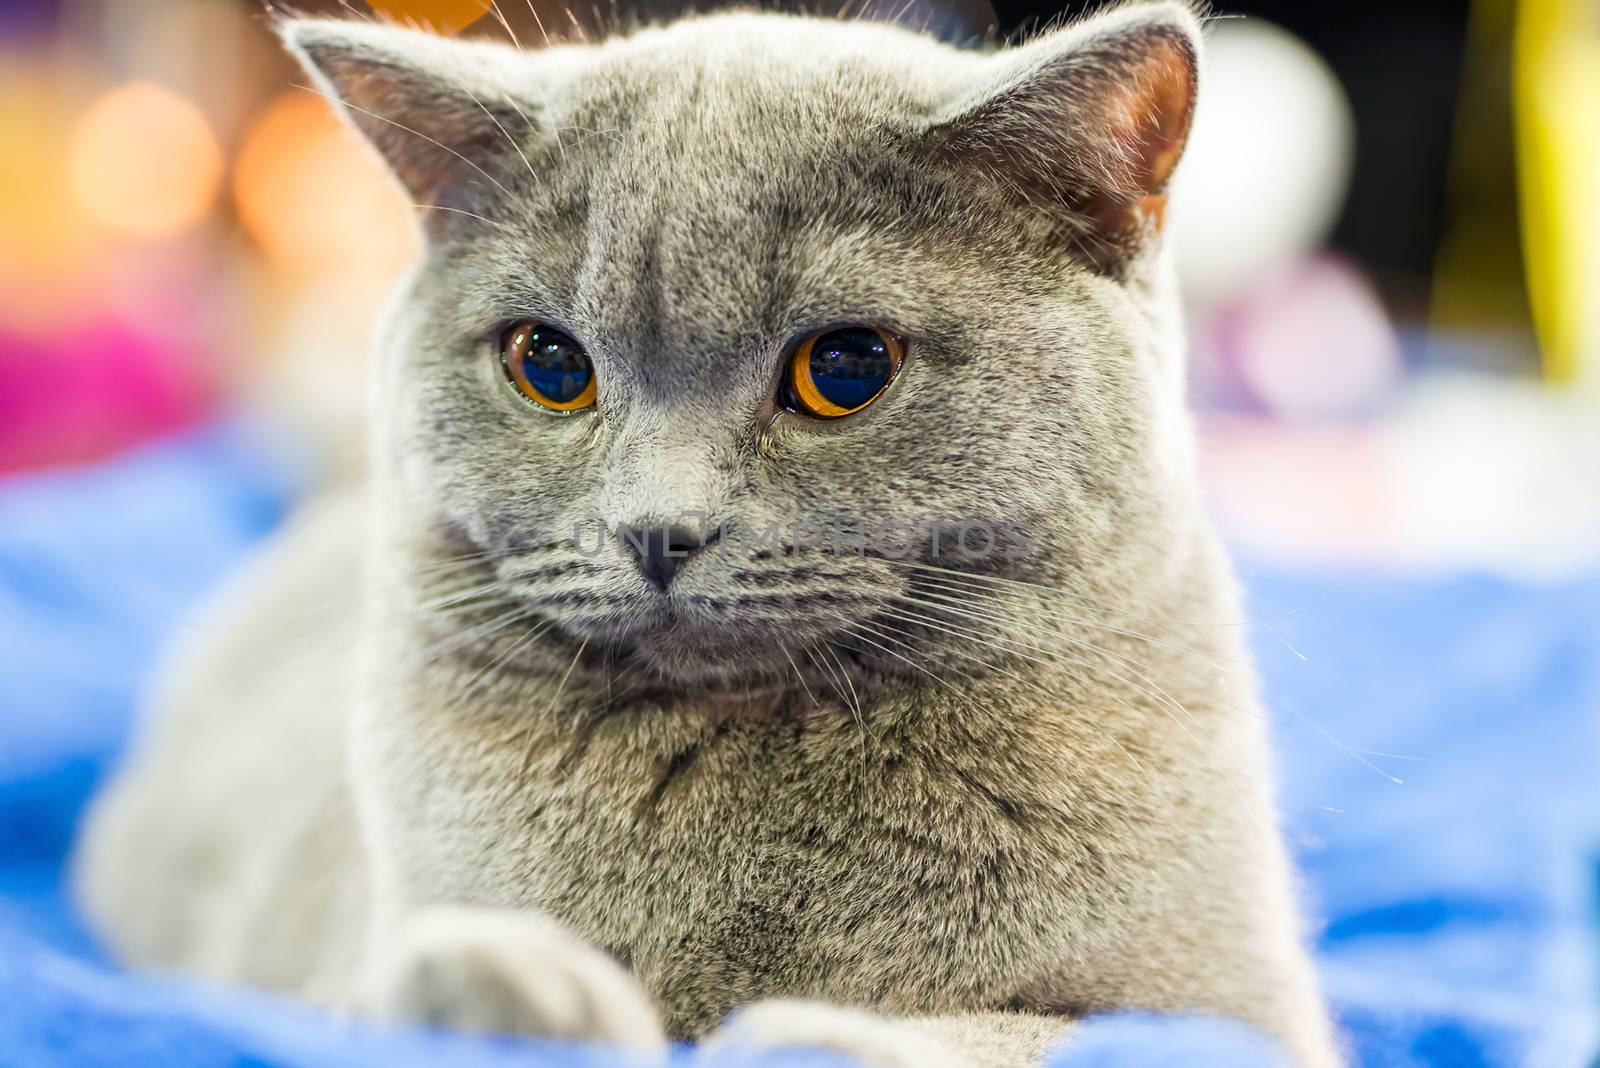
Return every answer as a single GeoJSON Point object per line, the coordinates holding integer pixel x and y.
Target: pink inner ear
{"type": "Point", "coordinates": [1149, 117]}
{"type": "Point", "coordinates": [1157, 115]}
{"type": "Point", "coordinates": [1154, 113]}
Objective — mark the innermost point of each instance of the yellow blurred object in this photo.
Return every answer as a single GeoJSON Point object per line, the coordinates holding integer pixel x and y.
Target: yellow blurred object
{"type": "Point", "coordinates": [46, 244]}
{"type": "Point", "coordinates": [1556, 86]}
{"type": "Point", "coordinates": [144, 161]}
{"type": "Point", "coordinates": [314, 198]}
{"type": "Point", "coordinates": [440, 16]}
{"type": "Point", "coordinates": [1479, 297]}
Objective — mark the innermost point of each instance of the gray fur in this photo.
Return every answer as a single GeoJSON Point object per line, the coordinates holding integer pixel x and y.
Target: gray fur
{"type": "Point", "coordinates": [976, 807]}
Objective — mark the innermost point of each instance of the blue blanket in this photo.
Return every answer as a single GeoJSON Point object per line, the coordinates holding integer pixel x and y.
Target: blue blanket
{"type": "Point", "coordinates": [1439, 750]}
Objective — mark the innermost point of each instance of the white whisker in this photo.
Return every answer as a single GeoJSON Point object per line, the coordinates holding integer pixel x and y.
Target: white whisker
{"type": "Point", "coordinates": [402, 126]}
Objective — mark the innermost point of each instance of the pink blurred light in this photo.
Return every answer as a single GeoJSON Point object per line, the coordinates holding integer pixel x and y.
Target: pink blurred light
{"type": "Point", "coordinates": [91, 390]}
{"type": "Point", "coordinates": [1311, 342]}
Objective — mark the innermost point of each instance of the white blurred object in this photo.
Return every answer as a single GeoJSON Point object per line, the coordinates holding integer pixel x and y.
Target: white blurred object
{"type": "Point", "coordinates": [1470, 472]}
{"type": "Point", "coordinates": [1268, 161]}
{"type": "Point", "coordinates": [318, 381]}
{"type": "Point", "coordinates": [1496, 474]}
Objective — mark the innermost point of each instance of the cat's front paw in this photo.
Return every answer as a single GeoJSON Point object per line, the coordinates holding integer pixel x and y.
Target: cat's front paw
{"type": "Point", "coordinates": [781, 1024]}
{"type": "Point", "coordinates": [504, 972]}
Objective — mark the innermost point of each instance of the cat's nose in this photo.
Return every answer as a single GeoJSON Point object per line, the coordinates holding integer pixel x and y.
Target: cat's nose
{"type": "Point", "coordinates": [662, 550]}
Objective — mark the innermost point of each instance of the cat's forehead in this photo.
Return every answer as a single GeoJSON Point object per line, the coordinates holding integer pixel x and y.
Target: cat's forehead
{"type": "Point", "coordinates": [714, 81]}
{"type": "Point", "coordinates": [735, 176]}
{"type": "Point", "coordinates": [762, 49]}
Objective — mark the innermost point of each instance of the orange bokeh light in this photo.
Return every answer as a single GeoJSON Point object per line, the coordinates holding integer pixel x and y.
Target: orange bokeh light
{"type": "Point", "coordinates": [46, 240]}
{"type": "Point", "coordinates": [440, 16]}
{"type": "Point", "coordinates": [314, 198]}
{"type": "Point", "coordinates": [143, 161]}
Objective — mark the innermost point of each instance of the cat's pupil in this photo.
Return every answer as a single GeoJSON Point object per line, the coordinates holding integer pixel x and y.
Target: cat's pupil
{"type": "Point", "coordinates": [556, 366]}
{"type": "Point", "coordinates": [850, 366]}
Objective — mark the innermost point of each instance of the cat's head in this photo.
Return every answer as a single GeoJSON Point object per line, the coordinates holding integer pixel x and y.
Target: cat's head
{"type": "Point", "coordinates": [826, 289]}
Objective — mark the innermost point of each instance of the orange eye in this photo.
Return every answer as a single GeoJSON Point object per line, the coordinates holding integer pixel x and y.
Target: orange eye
{"type": "Point", "coordinates": [548, 367]}
{"type": "Point", "coordinates": [840, 371]}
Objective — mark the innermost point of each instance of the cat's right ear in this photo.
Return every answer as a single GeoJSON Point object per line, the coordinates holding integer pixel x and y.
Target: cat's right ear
{"type": "Point", "coordinates": [442, 113]}
{"type": "Point", "coordinates": [1086, 122]}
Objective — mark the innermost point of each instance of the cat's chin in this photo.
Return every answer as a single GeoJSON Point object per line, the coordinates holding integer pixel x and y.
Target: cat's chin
{"type": "Point", "coordinates": [710, 657]}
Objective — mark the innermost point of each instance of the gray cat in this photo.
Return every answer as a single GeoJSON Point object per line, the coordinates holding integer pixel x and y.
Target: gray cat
{"type": "Point", "coordinates": [783, 584]}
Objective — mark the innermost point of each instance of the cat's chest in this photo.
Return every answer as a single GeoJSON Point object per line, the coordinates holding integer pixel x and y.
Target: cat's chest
{"type": "Point", "coordinates": [754, 865]}
{"type": "Point", "coordinates": [728, 862]}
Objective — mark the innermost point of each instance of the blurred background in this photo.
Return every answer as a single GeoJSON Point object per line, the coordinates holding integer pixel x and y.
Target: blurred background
{"type": "Point", "coordinates": [1388, 227]}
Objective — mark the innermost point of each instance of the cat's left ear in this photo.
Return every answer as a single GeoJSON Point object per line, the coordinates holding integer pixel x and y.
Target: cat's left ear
{"type": "Point", "coordinates": [1087, 121]}
{"type": "Point", "coordinates": [442, 113]}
